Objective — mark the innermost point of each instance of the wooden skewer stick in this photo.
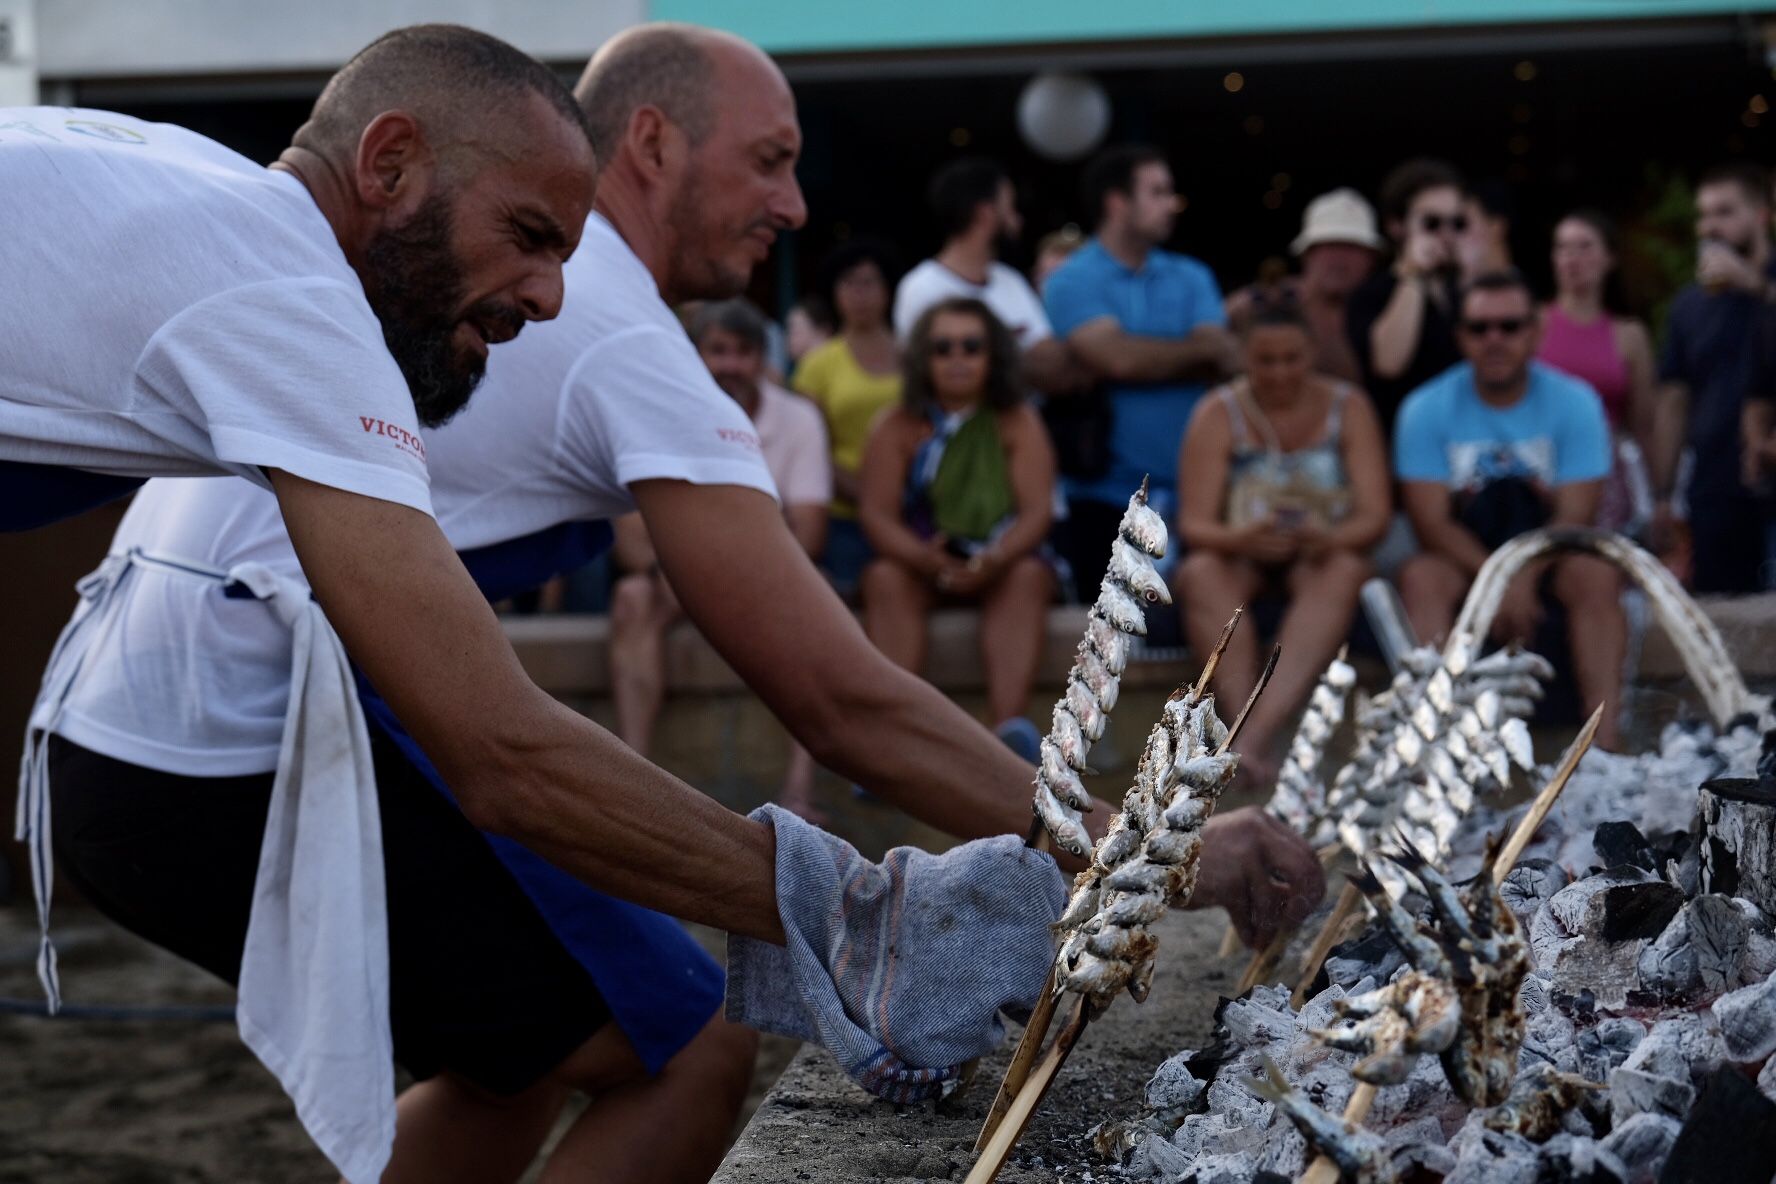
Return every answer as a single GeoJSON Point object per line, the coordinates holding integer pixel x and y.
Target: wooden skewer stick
{"type": "Point", "coordinates": [1017, 1116]}
{"type": "Point", "coordinates": [1323, 1170]}
{"type": "Point", "coordinates": [1029, 1044]}
{"type": "Point", "coordinates": [1264, 961]}
{"type": "Point", "coordinates": [1544, 801]}
{"type": "Point", "coordinates": [1348, 902]}
{"type": "Point", "coordinates": [1021, 1090]}
{"type": "Point", "coordinates": [1230, 942]}
{"type": "Point", "coordinates": [1239, 721]}
{"type": "Point", "coordinates": [1214, 658]}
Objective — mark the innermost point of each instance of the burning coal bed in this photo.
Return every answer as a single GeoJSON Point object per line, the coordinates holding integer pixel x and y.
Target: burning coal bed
{"type": "Point", "coordinates": [1647, 903]}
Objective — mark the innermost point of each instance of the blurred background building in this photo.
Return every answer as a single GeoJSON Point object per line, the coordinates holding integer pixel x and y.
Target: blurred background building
{"type": "Point", "coordinates": [1262, 104]}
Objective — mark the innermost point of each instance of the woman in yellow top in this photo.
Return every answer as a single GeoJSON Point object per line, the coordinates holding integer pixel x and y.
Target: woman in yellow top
{"type": "Point", "coordinates": [853, 378]}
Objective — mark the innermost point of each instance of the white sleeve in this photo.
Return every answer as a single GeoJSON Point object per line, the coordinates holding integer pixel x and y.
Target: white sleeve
{"type": "Point", "coordinates": [293, 375]}
{"type": "Point", "coordinates": [640, 404]}
{"type": "Point", "coordinates": [911, 297]}
{"type": "Point", "coordinates": [1033, 316]}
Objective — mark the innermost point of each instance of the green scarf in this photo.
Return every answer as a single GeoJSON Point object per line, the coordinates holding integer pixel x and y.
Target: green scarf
{"type": "Point", "coordinates": [971, 493]}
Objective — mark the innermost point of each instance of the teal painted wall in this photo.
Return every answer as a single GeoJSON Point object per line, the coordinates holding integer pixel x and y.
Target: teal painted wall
{"type": "Point", "coordinates": [808, 26]}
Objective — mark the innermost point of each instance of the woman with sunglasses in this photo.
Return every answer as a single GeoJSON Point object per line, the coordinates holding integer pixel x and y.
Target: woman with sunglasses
{"type": "Point", "coordinates": [957, 494]}
{"type": "Point", "coordinates": [1283, 487]}
{"type": "Point", "coordinates": [1581, 336]}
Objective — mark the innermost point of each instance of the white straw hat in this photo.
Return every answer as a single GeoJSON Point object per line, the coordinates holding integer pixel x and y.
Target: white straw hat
{"type": "Point", "coordinates": [1341, 216]}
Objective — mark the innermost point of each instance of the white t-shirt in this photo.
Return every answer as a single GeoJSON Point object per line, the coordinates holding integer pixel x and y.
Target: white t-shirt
{"type": "Point", "coordinates": [1006, 292]}
{"type": "Point", "coordinates": [168, 307]}
{"type": "Point", "coordinates": [570, 414]}
{"type": "Point", "coordinates": [792, 435]}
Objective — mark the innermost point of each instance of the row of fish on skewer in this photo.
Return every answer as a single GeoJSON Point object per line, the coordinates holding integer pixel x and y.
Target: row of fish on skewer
{"type": "Point", "coordinates": [1149, 855]}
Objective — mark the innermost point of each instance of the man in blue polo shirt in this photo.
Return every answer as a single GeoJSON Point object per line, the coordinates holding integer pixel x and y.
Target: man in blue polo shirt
{"type": "Point", "coordinates": [1149, 326]}
{"type": "Point", "coordinates": [1493, 447]}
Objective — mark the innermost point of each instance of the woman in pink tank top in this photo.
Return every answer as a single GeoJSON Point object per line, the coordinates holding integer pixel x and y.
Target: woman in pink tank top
{"type": "Point", "coordinates": [1614, 354]}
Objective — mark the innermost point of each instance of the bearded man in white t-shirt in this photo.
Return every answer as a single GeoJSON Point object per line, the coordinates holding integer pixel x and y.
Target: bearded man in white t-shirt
{"type": "Point", "coordinates": [606, 411]}
{"type": "Point", "coordinates": [975, 203]}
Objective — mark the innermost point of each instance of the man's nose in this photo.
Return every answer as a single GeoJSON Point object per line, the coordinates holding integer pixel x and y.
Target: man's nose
{"type": "Point", "coordinates": [540, 294]}
{"type": "Point", "coordinates": [788, 207]}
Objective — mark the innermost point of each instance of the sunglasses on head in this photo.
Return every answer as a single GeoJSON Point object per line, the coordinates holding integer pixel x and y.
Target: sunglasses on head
{"type": "Point", "coordinates": [1432, 223]}
{"type": "Point", "coordinates": [1507, 326]}
{"type": "Point", "coordinates": [968, 347]}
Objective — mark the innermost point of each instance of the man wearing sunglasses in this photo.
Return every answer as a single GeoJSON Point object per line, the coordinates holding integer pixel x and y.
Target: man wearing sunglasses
{"type": "Point", "coordinates": [1494, 447]}
{"type": "Point", "coordinates": [1401, 322]}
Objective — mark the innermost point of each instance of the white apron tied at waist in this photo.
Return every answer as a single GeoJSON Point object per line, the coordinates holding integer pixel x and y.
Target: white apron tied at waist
{"type": "Point", "coordinates": [313, 1002]}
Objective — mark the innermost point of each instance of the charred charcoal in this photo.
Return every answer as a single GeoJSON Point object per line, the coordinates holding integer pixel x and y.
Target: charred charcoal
{"type": "Point", "coordinates": [1530, 883]}
{"type": "Point", "coordinates": [1700, 953]}
{"type": "Point", "coordinates": [1643, 1143]}
{"type": "Point", "coordinates": [1687, 1047]}
{"type": "Point", "coordinates": [1618, 843]}
{"type": "Point", "coordinates": [1574, 1159]}
{"type": "Point", "coordinates": [1371, 954]}
{"type": "Point", "coordinates": [1638, 910]}
{"type": "Point", "coordinates": [1729, 1136]}
{"type": "Point", "coordinates": [1739, 839]}
{"type": "Point", "coordinates": [1633, 1091]}
{"type": "Point", "coordinates": [1606, 1046]}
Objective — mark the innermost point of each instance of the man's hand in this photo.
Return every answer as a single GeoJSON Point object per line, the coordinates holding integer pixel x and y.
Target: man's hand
{"type": "Point", "coordinates": [1520, 611]}
{"type": "Point", "coordinates": [1264, 874]}
{"type": "Point", "coordinates": [1720, 268]}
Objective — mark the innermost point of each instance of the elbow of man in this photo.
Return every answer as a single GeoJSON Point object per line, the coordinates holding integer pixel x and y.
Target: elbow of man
{"type": "Point", "coordinates": [498, 784]}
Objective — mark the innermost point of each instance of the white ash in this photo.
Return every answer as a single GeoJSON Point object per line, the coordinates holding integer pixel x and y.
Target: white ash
{"type": "Point", "coordinates": [1747, 1019]}
{"type": "Point", "coordinates": [1642, 1144]}
{"type": "Point", "coordinates": [1634, 1091]}
{"type": "Point", "coordinates": [1701, 952]}
{"type": "Point", "coordinates": [1685, 1047]}
{"type": "Point", "coordinates": [1575, 1157]}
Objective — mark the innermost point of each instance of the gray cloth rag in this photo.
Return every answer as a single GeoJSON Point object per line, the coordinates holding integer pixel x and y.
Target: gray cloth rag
{"type": "Point", "coordinates": [899, 968]}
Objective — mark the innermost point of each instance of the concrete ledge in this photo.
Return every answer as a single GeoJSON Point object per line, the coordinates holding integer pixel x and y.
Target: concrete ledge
{"type": "Point", "coordinates": [569, 655]}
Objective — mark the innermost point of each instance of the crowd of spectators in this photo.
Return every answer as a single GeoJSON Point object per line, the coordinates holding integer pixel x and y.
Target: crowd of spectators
{"type": "Point", "coordinates": [1399, 403]}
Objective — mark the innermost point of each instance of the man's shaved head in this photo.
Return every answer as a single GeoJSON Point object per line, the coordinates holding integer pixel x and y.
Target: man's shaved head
{"type": "Point", "coordinates": [696, 137]}
{"type": "Point", "coordinates": [458, 83]}
{"type": "Point", "coordinates": [664, 65]}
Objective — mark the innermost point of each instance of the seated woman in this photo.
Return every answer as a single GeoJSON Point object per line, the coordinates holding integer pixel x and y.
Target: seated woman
{"type": "Point", "coordinates": [956, 496]}
{"type": "Point", "coordinates": [1283, 486]}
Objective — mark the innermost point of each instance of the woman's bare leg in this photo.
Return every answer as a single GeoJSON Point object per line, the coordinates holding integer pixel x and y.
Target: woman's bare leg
{"type": "Point", "coordinates": [1014, 622]}
{"type": "Point", "coordinates": [1322, 601]}
{"type": "Point", "coordinates": [896, 604]}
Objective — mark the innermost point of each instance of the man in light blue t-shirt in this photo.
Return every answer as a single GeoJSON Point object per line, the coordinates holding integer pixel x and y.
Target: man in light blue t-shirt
{"type": "Point", "coordinates": [1149, 327]}
{"type": "Point", "coordinates": [1493, 447]}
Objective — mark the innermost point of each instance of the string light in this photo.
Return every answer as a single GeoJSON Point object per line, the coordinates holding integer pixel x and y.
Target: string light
{"type": "Point", "coordinates": [959, 137]}
{"type": "Point", "coordinates": [1254, 125]}
{"type": "Point", "coordinates": [1281, 182]}
{"type": "Point", "coordinates": [1525, 71]}
{"type": "Point", "coordinates": [1759, 104]}
{"type": "Point", "coordinates": [1234, 82]}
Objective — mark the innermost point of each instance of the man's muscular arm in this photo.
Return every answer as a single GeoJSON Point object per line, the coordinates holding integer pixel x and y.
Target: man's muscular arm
{"type": "Point", "coordinates": [760, 602]}
{"type": "Point", "coordinates": [520, 763]}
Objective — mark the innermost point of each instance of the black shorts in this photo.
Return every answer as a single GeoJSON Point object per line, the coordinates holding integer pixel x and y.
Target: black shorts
{"type": "Point", "coordinates": [478, 984]}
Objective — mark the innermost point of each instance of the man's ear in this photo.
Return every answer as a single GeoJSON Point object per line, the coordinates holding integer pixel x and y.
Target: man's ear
{"type": "Point", "coordinates": [652, 141]}
{"type": "Point", "coordinates": [394, 163]}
